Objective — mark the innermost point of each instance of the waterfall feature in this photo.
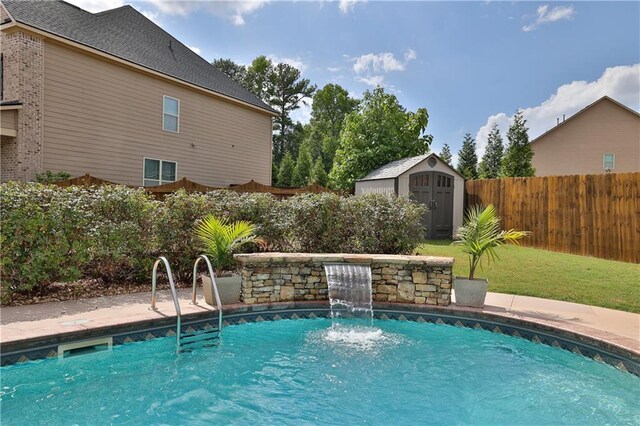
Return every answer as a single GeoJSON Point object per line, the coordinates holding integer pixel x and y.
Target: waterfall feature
{"type": "Point", "coordinates": [350, 291]}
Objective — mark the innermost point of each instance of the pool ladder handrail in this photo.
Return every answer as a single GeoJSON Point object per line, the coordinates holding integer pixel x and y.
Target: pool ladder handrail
{"type": "Point", "coordinates": [214, 287]}
{"type": "Point", "coordinates": [174, 294]}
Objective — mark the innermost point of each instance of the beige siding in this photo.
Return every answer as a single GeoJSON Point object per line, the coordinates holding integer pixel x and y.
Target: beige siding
{"type": "Point", "coordinates": [577, 146]}
{"type": "Point", "coordinates": [458, 188]}
{"type": "Point", "coordinates": [382, 186]}
{"type": "Point", "coordinates": [104, 118]}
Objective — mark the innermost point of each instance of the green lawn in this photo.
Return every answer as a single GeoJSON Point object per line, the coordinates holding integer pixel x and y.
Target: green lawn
{"type": "Point", "coordinates": [540, 273]}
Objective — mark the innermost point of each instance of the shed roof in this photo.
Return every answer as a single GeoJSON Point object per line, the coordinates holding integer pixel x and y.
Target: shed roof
{"type": "Point", "coordinates": [395, 168]}
{"type": "Point", "coordinates": [127, 34]}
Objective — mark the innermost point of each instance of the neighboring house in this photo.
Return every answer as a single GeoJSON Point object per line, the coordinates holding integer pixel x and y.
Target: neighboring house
{"type": "Point", "coordinates": [114, 95]}
{"type": "Point", "coordinates": [603, 137]}
{"type": "Point", "coordinates": [428, 180]}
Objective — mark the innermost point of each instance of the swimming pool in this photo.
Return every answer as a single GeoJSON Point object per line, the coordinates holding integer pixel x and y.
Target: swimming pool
{"type": "Point", "coordinates": [308, 372]}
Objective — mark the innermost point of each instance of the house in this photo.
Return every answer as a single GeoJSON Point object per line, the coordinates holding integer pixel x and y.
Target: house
{"type": "Point", "coordinates": [602, 137]}
{"type": "Point", "coordinates": [428, 180]}
{"type": "Point", "coordinates": [114, 95]}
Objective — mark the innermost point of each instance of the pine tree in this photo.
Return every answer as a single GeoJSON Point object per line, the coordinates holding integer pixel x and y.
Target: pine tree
{"type": "Point", "coordinates": [318, 174]}
{"type": "Point", "coordinates": [302, 171]}
{"type": "Point", "coordinates": [445, 154]}
{"type": "Point", "coordinates": [492, 158]}
{"type": "Point", "coordinates": [517, 159]}
{"type": "Point", "coordinates": [468, 159]}
{"type": "Point", "coordinates": [285, 171]}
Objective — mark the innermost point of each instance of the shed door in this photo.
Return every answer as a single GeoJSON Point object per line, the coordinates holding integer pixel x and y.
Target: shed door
{"type": "Point", "coordinates": [435, 189]}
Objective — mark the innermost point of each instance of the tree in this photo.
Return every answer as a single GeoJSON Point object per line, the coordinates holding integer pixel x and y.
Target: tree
{"type": "Point", "coordinates": [379, 131]}
{"type": "Point", "coordinates": [285, 171]}
{"type": "Point", "coordinates": [302, 171]}
{"type": "Point", "coordinates": [286, 92]}
{"type": "Point", "coordinates": [517, 159]}
{"type": "Point", "coordinates": [492, 158]}
{"type": "Point", "coordinates": [331, 104]}
{"type": "Point", "coordinates": [236, 72]}
{"type": "Point", "coordinates": [468, 159]}
{"type": "Point", "coordinates": [318, 174]}
{"type": "Point", "coordinates": [257, 77]}
{"type": "Point", "coordinates": [445, 154]}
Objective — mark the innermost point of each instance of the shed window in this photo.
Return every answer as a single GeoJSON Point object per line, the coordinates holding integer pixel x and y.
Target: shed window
{"type": "Point", "coordinates": [170, 114]}
{"type": "Point", "coordinates": [608, 161]}
{"type": "Point", "coordinates": [158, 172]}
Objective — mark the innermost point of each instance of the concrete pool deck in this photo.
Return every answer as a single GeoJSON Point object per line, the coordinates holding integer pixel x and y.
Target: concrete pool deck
{"type": "Point", "coordinates": [37, 321]}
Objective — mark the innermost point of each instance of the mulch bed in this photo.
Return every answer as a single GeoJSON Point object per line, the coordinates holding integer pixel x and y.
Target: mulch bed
{"type": "Point", "coordinates": [83, 289]}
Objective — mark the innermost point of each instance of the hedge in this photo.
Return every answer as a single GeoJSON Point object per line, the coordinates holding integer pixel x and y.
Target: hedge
{"type": "Point", "coordinates": [113, 233]}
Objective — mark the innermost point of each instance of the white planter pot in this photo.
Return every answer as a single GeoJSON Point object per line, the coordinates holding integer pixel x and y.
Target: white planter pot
{"type": "Point", "coordinates": [228, 287]}
{"type": "Point", "coordinates": [470, 292]}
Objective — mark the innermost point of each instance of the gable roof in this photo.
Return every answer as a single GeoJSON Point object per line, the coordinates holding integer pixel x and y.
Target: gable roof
{"type": "Point", "coordinates": [127, 34]}
{"type": "Point", "coordinates": [604, 98]}
{"type": "Point", "coordinates": [395, 168]}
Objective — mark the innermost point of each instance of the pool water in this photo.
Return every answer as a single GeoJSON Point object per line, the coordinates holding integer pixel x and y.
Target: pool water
{"type": "Point", "coordinates": [309, 372]}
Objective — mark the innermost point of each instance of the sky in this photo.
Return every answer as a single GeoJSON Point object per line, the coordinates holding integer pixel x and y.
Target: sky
{"type": "Point", "coordinates": [470, 64]}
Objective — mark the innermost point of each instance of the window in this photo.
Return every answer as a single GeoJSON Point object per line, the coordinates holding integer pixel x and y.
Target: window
{"type": "Point", "coordinates": [158, 172]}
{"type": "Point", "coordinates": [1, 76]}
{"type": "Point", "coordinates": [608, 161]}
{"type": "Point", "coordinates": [170, 114]}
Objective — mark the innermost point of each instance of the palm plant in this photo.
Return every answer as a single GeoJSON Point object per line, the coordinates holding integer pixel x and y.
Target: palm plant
{"type": "Point", "coordinates": [220, 239]}
{"type": "Point", "coordinates": [481, 234]}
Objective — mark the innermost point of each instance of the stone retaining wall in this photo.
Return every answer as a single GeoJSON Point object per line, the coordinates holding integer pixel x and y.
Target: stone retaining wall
{"type": "Point", "coordinates": [281, 277]}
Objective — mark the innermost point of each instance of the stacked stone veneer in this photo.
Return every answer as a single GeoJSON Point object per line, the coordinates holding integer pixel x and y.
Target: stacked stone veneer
{"type": "Point", "coordinates": [23, 79]}
{"type": "Point", "coordinates": [282, 277]}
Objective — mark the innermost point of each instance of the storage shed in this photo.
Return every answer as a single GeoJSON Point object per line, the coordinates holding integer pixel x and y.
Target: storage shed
{"type": "Point", "coordinates": [428, 180]}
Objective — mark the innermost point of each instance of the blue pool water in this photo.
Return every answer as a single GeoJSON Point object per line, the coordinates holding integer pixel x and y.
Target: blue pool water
{"type": "Point", "coordinates": [306, 372]}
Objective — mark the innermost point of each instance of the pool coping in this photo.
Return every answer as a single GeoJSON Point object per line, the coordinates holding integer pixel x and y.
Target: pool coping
{"type": "Point", "coordinates": [619, 351]}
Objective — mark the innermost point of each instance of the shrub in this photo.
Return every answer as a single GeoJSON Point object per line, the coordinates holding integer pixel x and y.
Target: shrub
{"type": "Point", "coordinates": [50, 177]}
{"type": "Point", "coordinates": [43, 235]}
{"type": "Point", "coordinates": [175, 222]}
{"type": "Point", "coordinates": [264, 211]}
{"type": "Point", "coordinates": [315, 224]}
{"type": "Point", "coordinates": [384, 224]}
{"type": "Point", "coordinates": [122, 243]}
{"type": "Point", "coordinates": [114, 233]}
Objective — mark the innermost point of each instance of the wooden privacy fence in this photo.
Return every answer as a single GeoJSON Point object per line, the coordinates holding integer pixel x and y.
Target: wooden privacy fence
{"type": "Point", "coordinates": [161, 190]}
{"type": "Point", "coordinates": [592, 215]}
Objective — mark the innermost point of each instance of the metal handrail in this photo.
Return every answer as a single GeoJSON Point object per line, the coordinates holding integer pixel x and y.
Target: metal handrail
{"type": "Point", "coordinates": [214, 287]}
{"type": "Point", "coordinates": [174, 294]}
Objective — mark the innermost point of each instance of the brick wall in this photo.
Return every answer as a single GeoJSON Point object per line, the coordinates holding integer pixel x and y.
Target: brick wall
{"type": "Point", "coordinates": [280, 277]}
{"type": "Point", "coordinates": [23, 56]}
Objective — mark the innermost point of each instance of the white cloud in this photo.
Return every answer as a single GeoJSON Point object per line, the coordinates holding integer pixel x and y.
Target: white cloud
{"type": "Point", "coordinates": [381, 62]}
{"type": "Point", "coordinates": [409, 55]}
{"type": "Point", "coordinates": [333, 69]}
{"type": "Point", "coordinates": [95, 6]}
{"type": "Point", "coordinates": [152, 16]}
{"type": "Point", "coordinates": [545, 16]}
{"type": "Point", "coordinates": [303, 114]}
{"type": "Point", "coordinates": [347, 6]}
{"type": "Point", "coordinates": [370, 68]}
{"type": "Point", "coordinates": [621, 83]}
{"type": "Point", "coordinates": [294, 62]}
{"type": "Point", "coordinates": [375, 80]}
{"type": "Point", "coordinates": [233, 11]}
{"type": "Point", "coordinates": [195, 49]}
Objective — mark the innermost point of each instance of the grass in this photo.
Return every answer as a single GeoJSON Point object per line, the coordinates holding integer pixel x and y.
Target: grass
{"type": "Point", "coordinates": [550, 275]}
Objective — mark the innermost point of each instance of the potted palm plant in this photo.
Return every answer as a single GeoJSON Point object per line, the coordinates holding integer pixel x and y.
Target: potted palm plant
{"type": "Point", "coordinates": [220, 239]}
{"type": "Point", "coordinates": [480, 235]}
